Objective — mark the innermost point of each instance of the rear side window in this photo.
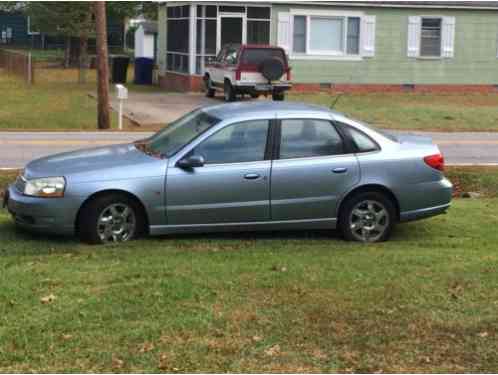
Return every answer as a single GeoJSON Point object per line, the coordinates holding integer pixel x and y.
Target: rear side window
{"type": "Point", "coordinates": [362, 141]}
{"type": "Point", "coordinates": [255, 56]}
{"type": "Point", "coordinates": [305, 138]}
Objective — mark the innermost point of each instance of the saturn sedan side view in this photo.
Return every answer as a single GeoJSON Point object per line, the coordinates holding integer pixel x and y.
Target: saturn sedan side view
{"type": "Point", "coordinates": [237, 167]}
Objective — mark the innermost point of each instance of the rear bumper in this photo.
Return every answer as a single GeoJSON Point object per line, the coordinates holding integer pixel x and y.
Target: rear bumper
{"type": "Point", "coordinates": [423, 213]}
{"type": "Point", "coordinates": [263, 87]}
{"type": "Point", "coordinates": [433, 198]}
{"type": "Point", "coordinates": [46, 215]}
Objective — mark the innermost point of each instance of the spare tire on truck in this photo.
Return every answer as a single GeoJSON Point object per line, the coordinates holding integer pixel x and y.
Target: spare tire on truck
{"type": "Point", "coordinates": [272, 69]}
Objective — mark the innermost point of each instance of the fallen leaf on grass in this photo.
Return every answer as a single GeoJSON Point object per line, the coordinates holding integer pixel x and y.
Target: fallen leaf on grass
{"type": "Point", "coordinates": [483, 334]}
{"type": "Point", "coordinates": [67, 337]}
{"type": "Point", "coordinates": [47, 299]}
{"type": "Point", "coordinates": [257, 338]}
{"type": "Point", "coordinates": [146, 347]}
{"type": "Point", "coordinates": [273, 351]}
{"type": "Point", "coordinates": [117, 363]}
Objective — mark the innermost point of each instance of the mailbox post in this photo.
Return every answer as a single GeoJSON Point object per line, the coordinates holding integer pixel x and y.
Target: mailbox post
{"type": "Point", "coordinates": [122, 96]}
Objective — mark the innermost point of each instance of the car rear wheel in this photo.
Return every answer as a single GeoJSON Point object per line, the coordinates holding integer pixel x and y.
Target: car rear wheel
{"type": "Point", "coordinates": [110, 218]}
{"type": "Point", "coordinates": [367, 217]}
{"type": "Point", "coordinates": [210, 91]}
{"type": "Point", "coordinates": [229, 91]}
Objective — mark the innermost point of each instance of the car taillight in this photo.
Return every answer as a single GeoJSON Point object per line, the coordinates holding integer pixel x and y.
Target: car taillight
{"type": "Point", "coordinates": [238, 75]}
{"type": "Point", "coordinates": [289, 78]}
{"type": "Point", "coordinates": [435, 161]}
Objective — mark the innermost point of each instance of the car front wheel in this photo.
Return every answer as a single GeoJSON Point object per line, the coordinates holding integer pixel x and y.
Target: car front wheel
{"type": "Point", "coordinates": [110, 218]}
{"type": "Point", "coordinates": [367, 217]}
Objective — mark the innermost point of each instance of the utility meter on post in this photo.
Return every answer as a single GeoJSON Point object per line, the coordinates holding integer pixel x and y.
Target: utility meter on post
{"type": "Point", "coordinates": [122, 96]}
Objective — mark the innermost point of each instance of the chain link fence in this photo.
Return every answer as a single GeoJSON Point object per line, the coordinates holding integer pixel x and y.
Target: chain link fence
{"type": "Point", "coordinates": [18, 64]}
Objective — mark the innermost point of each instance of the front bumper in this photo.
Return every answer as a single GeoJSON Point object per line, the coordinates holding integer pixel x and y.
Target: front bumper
{"type": "Point", "coordinates": [46, 215]}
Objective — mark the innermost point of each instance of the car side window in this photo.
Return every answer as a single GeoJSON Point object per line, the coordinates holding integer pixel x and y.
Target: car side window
{"type": "Point", "coordinates": [306, 138]}
{"type": "Point", "coordinates": [231, 56]}
{"type": "Point", "coordinates": [362, 141]}
{"type": "Point", "coordinates": [238, 143]}
{"type": "Point", "coordinates": [221, 55]}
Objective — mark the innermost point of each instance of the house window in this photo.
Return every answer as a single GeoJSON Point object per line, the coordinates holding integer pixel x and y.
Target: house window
{"type": "Point", "coordinates": [258, 25]}
{"type": "Point", "coordinates": [430, 38]}
{"type": "Point", "coordinates": [324, 35]}
{"type": "Point", "coordinates": [212, 30]}
{"type": "Point", "coordinates": [299, 34]}
{"type": "Point", "coordinates": [177, 54]}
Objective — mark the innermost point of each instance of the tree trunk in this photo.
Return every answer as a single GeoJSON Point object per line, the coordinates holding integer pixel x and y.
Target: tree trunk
{"type": "Point", "coordinates": [102, 66]}
{"type": "Point", "coordinates": [67, 52]}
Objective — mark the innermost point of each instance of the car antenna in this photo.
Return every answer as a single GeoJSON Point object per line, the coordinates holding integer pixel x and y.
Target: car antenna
{"type": "Point", "coordinates": [339, 95]}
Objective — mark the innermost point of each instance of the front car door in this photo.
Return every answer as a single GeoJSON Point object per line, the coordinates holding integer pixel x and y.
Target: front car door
{"type": "Point", "coordinates": [234, 184]}
{"type": "Point", "coordinates": [313, 168]}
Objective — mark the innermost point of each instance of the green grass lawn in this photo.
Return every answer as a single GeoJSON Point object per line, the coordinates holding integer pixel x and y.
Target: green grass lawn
{"type": "Point", "coordinates": [281, 302]}
{"type": "Point", "coordinates": [437, 112]}
{"type": "Point", "coordinates": [55, 102]}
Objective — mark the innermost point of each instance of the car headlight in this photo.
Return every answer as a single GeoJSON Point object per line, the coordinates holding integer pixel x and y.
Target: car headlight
{"type": "Point", "coordinates": [49, 187]}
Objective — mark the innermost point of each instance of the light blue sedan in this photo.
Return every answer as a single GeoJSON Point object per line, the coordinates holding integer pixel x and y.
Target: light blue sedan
{"type": "Point", "coordinates": [237, 167]}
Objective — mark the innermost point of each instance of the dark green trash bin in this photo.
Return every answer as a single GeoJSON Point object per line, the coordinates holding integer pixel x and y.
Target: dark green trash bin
{"type": "Point", "coordinates": [119, 68]}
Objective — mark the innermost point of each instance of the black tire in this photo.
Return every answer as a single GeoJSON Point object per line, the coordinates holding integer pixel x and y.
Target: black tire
{"type": "Point", "coordinates": [229, 91]}
{"type": "Point", "coordinates": [90, 213]}
{"type": "Point", "coordinates": [353, 229]}
{"type": "Point", "coordinates": [210, 91]}
{"type": "Point", "coordinates": [278, 96]}
{"type": "Point", "coordinates": [272, 69]}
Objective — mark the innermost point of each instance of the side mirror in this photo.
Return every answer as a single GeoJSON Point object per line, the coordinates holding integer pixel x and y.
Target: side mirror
{"type": "Point", "coordinates": [194, 161]}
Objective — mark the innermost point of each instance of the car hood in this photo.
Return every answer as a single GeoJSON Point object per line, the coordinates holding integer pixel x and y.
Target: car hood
{"type": "Point", "coordinates": [102, 163]}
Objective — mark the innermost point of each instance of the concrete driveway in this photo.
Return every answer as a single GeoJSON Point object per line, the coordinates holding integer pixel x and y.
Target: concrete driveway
{"type": "Point", "coordinates": [153, 109]}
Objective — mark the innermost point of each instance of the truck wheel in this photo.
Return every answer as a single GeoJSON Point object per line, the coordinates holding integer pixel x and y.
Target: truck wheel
{"type": "Point", "coordinates": [230, 93]}
{"type": "Point", "coordinates": [278, 96]}
{"type": "Point", "coordinates": [210, 91]}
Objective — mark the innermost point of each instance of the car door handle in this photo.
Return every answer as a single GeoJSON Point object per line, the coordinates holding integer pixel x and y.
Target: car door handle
{"type": "Point", "coordinates": [340, 170]}
{"type": "Point", "coordinates": [252, 176]}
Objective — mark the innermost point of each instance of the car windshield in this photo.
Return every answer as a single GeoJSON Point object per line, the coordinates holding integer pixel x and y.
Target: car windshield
{"type": "Point", "coordinates": [178, 134]}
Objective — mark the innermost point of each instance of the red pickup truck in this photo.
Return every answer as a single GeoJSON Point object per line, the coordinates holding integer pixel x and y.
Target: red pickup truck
{"type": "Point", "coordinates": [249, 69]}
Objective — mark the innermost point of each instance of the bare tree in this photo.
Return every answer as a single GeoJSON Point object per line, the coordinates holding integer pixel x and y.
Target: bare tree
{"type": "Point", "coordinates": [102, 66]}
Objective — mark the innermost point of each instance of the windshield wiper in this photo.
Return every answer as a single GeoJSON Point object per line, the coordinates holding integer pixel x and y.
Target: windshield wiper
{"type": "Point", "coordinates": [143, 146]}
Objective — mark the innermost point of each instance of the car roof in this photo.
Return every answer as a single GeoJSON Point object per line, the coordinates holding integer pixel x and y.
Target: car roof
{"type": "Point", "coordinates": [265, 108]}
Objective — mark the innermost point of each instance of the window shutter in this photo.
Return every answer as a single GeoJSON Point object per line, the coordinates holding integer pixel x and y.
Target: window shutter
{"type": "Point", "coordinates": [448, 37]}
{"type": "Point", "coordinates": [367, 32]}
{"type": "Point", "coordinates": [284, 31]}
{"type": "Point", "coordinates": [414, 29]}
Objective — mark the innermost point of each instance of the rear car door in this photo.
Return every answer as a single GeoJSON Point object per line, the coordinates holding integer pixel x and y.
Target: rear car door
{"type": "Point", "coordinates": [234, 184]}
{"type": "Point", "coordinates": [313, 168]}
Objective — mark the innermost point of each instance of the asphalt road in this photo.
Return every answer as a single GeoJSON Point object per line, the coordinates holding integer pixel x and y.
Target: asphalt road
{"type": "Point", "coordinates": [18, 148]}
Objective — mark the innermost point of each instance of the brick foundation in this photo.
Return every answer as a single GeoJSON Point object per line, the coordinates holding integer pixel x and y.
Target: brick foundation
{"type": "Point", "coordinates": [180, 82]}
{"type": "Point", "coordinates": [185, 83]}
{"type": "Point", "coordinates": [379, 88]}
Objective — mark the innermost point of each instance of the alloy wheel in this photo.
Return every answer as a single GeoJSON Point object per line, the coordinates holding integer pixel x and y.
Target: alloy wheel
{"type": "Point", "coordinates": [116, 223]}
{"type": "Point", "coordinates": [369, 220]}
